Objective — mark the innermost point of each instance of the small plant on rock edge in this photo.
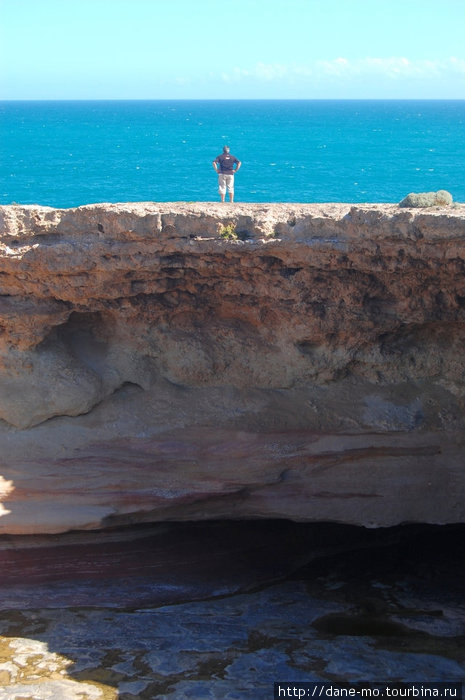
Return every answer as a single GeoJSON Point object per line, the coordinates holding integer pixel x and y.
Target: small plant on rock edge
{"type": "Point", "coordinates": [228, 232]}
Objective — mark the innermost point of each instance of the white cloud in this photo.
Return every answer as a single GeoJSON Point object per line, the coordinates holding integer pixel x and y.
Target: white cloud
{"type": "Point", "coordinates": [273, 71]}
{"type": "Point", "coordinates": [336, 67]}
{"type": "Point", "coordinates": [261, 71]}
{"type": "Point", "coordinates": [392, 68]}
{"type": "Point", "coordinates": [457, 64]}
{"type": "Point", "coordinates": [235, 75]}
{"type": "Point", "coordinates": [395, 67]}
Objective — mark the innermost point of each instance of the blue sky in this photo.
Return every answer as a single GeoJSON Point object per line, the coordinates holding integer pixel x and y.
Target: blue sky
{"type": "Point", "coordinates": [232, 49]}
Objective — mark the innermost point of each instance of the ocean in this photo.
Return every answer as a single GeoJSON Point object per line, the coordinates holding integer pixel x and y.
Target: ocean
{"type": "Point", "coordinates": [65, 154]}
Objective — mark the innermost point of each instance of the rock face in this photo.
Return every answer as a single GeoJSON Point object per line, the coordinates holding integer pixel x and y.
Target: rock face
{"type": "Point", "coordinates": [152, 370]}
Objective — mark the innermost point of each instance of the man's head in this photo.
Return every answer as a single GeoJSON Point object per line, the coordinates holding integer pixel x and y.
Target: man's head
{"type": "Point", "coordinates": [225, 149]}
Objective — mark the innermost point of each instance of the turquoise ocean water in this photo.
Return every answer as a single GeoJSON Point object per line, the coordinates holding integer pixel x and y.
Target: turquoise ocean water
{"type": "Point", "coordinates": [70, 153]}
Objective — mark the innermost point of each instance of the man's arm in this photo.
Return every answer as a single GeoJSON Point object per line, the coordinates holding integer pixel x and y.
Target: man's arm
{"type": "Point", "coordinates": [215, 164]}
{"type": "Point", "coordinates": [238, 165]}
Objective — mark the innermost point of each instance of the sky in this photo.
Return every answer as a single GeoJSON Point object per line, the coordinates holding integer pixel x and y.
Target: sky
{"type": "Point", "coordinates": [232, 49]}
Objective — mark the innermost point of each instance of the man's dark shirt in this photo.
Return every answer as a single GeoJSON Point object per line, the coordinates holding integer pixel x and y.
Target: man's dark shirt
{"type": "Point", "coordinates": [226, 162]}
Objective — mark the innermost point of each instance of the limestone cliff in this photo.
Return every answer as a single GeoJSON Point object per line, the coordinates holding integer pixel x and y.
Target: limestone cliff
{"type": "Point", "coordinates": [310, 368]}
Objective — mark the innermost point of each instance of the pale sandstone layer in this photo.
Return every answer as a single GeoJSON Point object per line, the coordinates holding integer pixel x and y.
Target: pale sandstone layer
{"type": "Point", "coordinates": [152, 370]}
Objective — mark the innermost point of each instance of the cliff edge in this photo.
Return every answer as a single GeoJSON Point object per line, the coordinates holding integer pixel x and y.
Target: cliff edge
{"type": "Point", "coordinates": [204, 361]}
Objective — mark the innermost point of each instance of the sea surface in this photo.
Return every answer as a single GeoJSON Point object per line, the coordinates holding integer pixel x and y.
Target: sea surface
{"type": "Point", "coordinates": [65, 154]}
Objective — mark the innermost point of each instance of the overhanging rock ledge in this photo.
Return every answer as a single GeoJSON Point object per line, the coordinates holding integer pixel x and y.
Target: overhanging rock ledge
{"type": "Point", "coordinates": [310, 368]}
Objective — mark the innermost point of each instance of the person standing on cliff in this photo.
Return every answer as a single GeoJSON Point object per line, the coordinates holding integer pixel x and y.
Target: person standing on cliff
{"type": "Point", "coordinates": [224, 166]}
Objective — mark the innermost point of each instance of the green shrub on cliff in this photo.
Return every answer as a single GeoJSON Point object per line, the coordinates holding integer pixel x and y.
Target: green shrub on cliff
{"type": "Point", "coordinates": [441, 198]}
{"type": "Point", "coordinates": [229, 232]}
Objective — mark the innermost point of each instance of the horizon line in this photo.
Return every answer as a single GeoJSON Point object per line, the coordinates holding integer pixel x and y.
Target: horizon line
{"type": "Point", "coordinates": [232, 99]}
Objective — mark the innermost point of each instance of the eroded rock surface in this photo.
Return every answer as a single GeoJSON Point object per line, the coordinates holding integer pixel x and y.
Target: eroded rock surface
{"type": "Point", "coordinates": [395, 612]}
{"type": "Point", "coordinates": [311, 369]}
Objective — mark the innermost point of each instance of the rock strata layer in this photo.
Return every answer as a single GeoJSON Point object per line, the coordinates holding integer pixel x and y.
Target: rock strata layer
{"type": "Point", "coordinates": [309, 368]}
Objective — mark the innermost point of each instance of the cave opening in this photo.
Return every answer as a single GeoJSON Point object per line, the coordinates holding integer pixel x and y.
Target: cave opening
{"type": "Point", "coordinates": [164, 562]}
